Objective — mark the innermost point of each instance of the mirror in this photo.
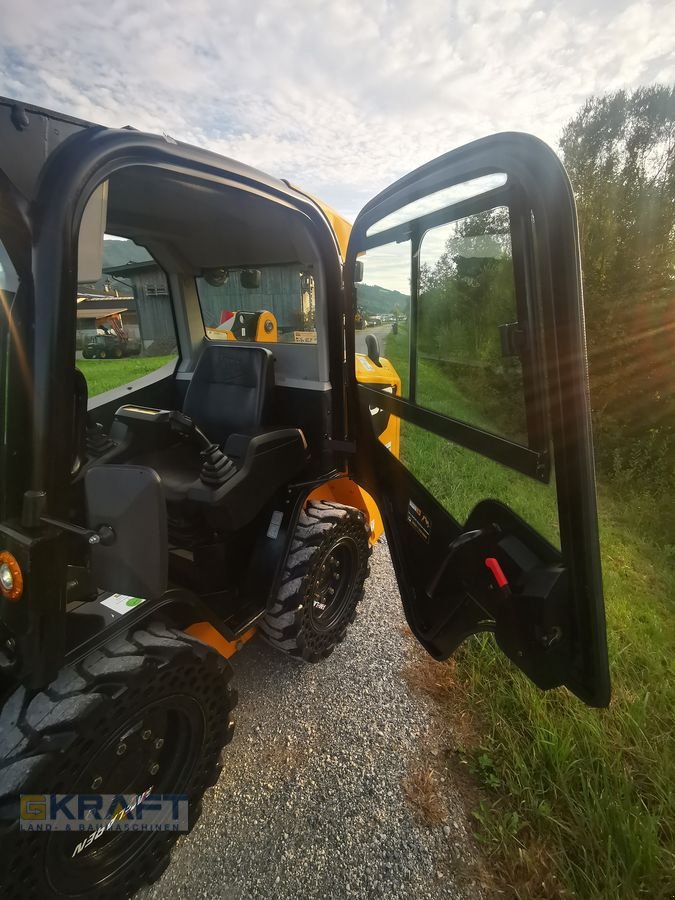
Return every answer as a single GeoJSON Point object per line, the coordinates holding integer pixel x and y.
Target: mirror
{"type": "Point", "coordinates": [130, 501]}
{"type": "Point", "coordinates": [373, 349]}
{"type": "Point", "coordinates": [216, 277]}
{"type": "Point", "coordinates": [250, 279]}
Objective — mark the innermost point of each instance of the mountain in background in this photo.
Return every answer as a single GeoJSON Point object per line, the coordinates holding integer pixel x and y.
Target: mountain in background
{"type": "Point", "coordinates": [118, 253]}
{"type": "Point", "coordinates": [375, 299]}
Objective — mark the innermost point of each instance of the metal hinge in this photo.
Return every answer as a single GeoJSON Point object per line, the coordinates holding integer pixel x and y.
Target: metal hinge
{"type": "Point", "coordinates": [513, 339]}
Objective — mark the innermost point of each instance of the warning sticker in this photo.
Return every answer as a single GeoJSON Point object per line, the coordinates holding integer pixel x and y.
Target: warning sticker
{"type": "Point", "coordinates": [122, 603]}
{"type": "Point", "coordinates": [419, 521]}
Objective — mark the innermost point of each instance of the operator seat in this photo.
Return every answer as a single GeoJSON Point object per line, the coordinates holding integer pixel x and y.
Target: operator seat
{"type": "Point", "coordinates": [228, 399]}
{"type": "Point", "coordinates": [231, 389]}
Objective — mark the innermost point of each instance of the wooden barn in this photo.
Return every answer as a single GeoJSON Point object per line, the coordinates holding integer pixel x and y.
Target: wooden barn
{"type": "Point", "coordinates": [146, 281]}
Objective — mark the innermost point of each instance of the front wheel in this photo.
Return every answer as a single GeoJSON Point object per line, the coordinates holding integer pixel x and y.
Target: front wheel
{"type": "Point", "coordinates": [322, 583]}
{"type": "Point", "coordinates": [150, 711]}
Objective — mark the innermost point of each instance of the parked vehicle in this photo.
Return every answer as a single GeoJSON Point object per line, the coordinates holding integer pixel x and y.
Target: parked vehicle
{"type": "Point", "coordinates": [110, 346]}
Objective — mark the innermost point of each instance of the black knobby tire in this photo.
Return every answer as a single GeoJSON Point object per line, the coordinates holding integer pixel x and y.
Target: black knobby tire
{"type": "Point", "coordinates": [329, 552]}
{"type": "Point", "coordinates": [154, 680]}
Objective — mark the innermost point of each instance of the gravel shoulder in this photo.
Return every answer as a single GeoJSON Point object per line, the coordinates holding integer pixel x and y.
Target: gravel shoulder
{"type": "Point", "coordinates": [310, 803]}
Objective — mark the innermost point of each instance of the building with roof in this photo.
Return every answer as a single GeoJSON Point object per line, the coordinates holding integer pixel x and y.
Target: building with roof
{"type": "Point", "coordinates": [150, 307]}
{"type": "Point", "coordinates": [98, 313]}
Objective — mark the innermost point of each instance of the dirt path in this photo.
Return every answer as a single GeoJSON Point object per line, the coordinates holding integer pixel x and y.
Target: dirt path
{"type": "Point", "coordinates": [312, 801]}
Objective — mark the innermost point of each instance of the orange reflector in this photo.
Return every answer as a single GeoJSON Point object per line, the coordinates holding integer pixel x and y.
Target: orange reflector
{"type": "Point", "coordinates": [11, 579]}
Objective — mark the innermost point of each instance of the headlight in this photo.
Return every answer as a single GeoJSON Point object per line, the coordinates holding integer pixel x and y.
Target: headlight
{"type": "Point", "coordinates": [6, 578]}
{"type": "Point", "coordinates": [11, 579]}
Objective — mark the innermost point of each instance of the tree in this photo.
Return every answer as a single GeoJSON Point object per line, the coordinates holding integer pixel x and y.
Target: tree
{"type": "Point", "coordinates": [620, 153]}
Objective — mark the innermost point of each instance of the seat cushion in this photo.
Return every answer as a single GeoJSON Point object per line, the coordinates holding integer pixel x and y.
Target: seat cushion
{"type": "Point", "coordinates": [230, 390]}
{"type": "Point", "coordinates": [178, 467]}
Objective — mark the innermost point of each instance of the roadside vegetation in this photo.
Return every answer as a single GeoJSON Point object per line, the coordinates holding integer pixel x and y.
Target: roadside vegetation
{"type": "Point", "coordinates": [575, 802]}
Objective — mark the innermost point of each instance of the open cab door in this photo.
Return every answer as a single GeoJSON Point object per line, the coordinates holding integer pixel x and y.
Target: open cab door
{"type": "Point", "coordinates": [490, 508]}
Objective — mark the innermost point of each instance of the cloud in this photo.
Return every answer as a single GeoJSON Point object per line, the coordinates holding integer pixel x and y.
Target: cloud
{"type": "Point", "coordinates": [341, 98]}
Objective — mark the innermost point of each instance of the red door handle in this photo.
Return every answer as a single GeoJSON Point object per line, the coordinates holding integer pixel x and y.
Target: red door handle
{"type": "Point", "coordinates": [498, 575]}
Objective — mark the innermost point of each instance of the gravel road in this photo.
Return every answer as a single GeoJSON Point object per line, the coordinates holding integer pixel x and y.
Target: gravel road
{"type": "Point", "coordinates": [310, 803]}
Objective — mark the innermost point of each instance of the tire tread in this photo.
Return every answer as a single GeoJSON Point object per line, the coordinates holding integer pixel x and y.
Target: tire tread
{"type": "Point", "coordinates": [38, 728]}
{"type": "Point", "coordinates": [282, 626]}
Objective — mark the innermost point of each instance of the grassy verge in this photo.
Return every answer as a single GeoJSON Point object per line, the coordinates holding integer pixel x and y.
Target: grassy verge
{"type": "Point", "coordinates": [577, 802]}
{"type": "Point", "coordinates": [104, 374]}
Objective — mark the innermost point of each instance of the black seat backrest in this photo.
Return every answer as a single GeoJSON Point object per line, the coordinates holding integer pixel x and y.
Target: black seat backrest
{"type": "Point", "coordinates": [230, 390]}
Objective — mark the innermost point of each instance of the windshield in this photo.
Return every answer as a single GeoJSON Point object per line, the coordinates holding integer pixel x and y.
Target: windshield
{"type": "Point", "coordinates": [233, 299]}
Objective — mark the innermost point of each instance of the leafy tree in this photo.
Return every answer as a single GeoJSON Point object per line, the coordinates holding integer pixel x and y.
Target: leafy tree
{"type": "Point", "coordinates": [620, 154]}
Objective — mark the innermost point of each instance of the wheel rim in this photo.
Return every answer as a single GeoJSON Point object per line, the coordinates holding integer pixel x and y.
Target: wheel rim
{"type": "Point", "coordinates": [333, 584]}
{"type": "Point", "coordinates": [125, 764]}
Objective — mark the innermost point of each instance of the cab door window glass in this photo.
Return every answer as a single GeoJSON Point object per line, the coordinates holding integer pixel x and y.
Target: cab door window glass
{"type": "Point", "coordinates": [466, 308]}
{"type": "Point", "coordinates": [383, 304]}
{"type": "Point", "coordinates": [125, 323]}
{"type": "Point", "coordinates": [465, 348]}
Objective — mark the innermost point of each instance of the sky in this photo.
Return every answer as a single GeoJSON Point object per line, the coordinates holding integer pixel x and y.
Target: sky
{"type": "Point", "coordinates": [340, 97]}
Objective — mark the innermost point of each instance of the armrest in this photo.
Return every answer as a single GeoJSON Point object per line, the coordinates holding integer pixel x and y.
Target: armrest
{"type": "Point", "coordinates": [140, 416]}
{"type": "Point", "coordinates": [266, 461]}
{"type": "Point", "coordinates": [242, 447]}
{"type": "Point", "coordinates": [141, 428]}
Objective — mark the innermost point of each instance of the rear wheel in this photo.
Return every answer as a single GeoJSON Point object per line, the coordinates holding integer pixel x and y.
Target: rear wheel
{"type": "Point", "coordinates": [150, 711]}
{"type": "Point", "coordinates": [322, 583]}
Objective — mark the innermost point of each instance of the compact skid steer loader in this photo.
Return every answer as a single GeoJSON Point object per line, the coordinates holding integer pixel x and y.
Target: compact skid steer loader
{"type": "Point", "coordinates": [156, 511]}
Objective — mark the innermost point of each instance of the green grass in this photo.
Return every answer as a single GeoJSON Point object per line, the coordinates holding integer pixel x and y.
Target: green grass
{"type": "Point", "coordinates": [104, 374]}
{"type": "Point", "coordinates": [578, 802]}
